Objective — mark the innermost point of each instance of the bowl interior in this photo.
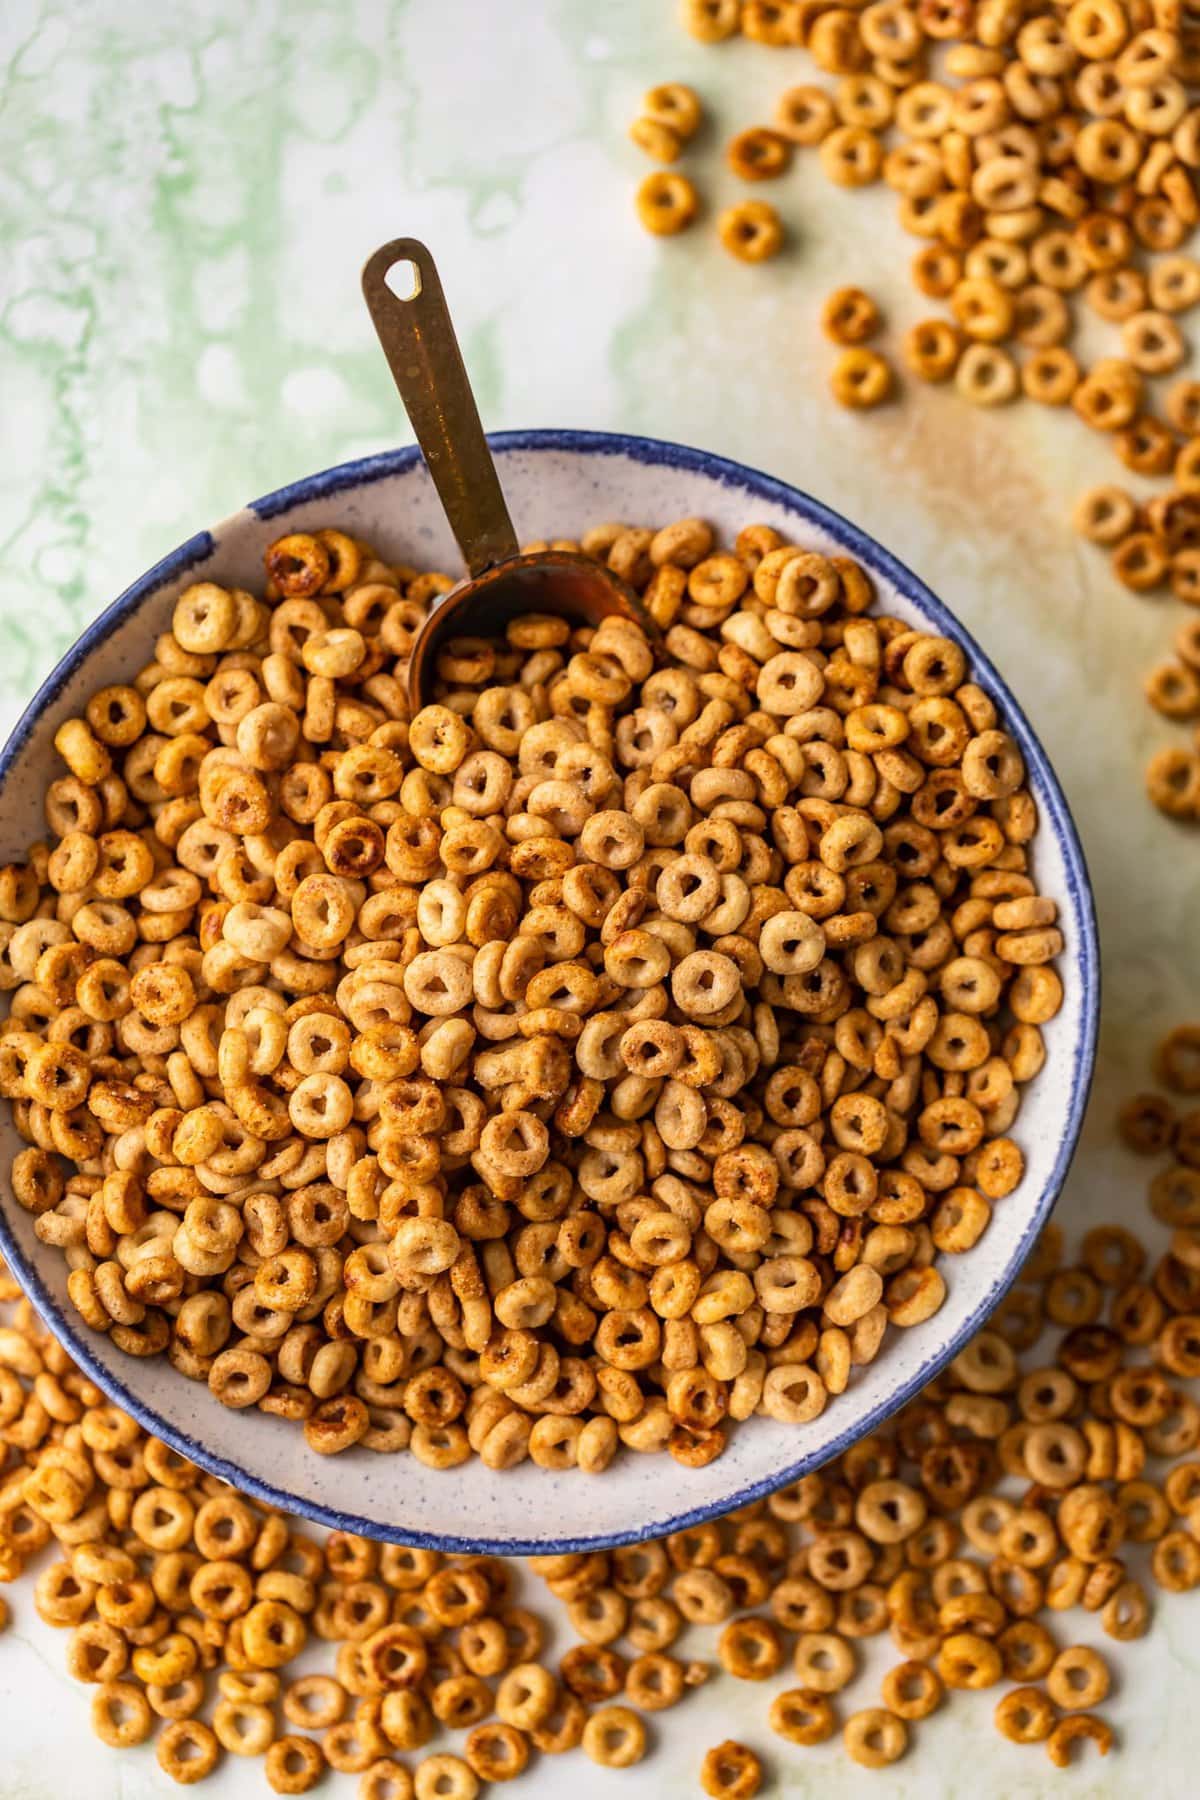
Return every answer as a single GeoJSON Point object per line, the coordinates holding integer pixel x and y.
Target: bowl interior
{"type": "Point", "coordinates": [557, 483]}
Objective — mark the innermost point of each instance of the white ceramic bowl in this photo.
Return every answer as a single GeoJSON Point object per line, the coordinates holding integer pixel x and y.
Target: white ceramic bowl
{"type": "Point", "coordinates": [557, 483]}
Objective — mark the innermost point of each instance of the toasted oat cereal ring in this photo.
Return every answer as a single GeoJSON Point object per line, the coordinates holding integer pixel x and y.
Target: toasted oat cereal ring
{"type": "Point", "coordinates": [802, 1716]}
{"type": "Point", "coordinates": [824, 1662]}
{"type": "Point", "coordinates": [1146, 1124]}
{"type": "Point", "coordinates": [712, 21]}
{"type": "Point", "coordinates": [931, 349]}
{"type": "Point", "coordinates": [861, 379]}
{"type": "Point", "coordinates": [666, 203]}
{"type": "Point", "coordinates": [874, 1738]}
{"type": "Point", "coordinates": [1173, 782]}
{"type": "Point", "coordinates": [850, 316]}
{"type": "Point", "coordinates": [97, 1652]}
{"type": "Point", "coordinates": [851, 156]}
{"type": "Point", "coordinates": [187, 1751]}
{"type": "Point", "coordinates": [1027, 1649]}
{"type": "Point", "coordinates": [1175, 1562]}
{"type": "Point", "coordinates": [1177, 1060]}
{"type": "Point", "coordinates": [385, 1779]}
{"type": "Point", "coordinates": [936, 270]}
{"type": "Point", "coordinates": [1174, 690]}
{"type": "Point", "coordinates": [758, 154]}
{"type": "Point", "coordinates": [730, 1771]}
{"type": "Point", "coordinates": [767, 22]}
{"type": "Point", "coordinates": [673, 103]}
{"type": "Point", "coordinates": [243, 1727]}
{"type": "Point", "coordinates": [121, 1714]}
{"type": "Point", "coordinates": [751, 230]}
{"type": "Point", "coordinates": [1050, 376]}
{"type": "Point", "coordinates": [526, 1695]}
{"type": "Point", "coordinates": [1104, 515]}
{"type": "Point", "coordinates": [986, 375]}
{"type": "Point", "coordinates": [1146, 446]}
{"type": "Point", "coordinates": [750, 1649]}
{"type": "Point", "coordinates": [1153, 342]}
{"type": "Point", "coordinates": [1125, 1615]}
{"type": "Point", "coordinates": [497, 1752]}
{"type": "Point", "coordinates": [912, 1690]}
{"type": "Point", "coordinates": [805, 115]}
{"type": "Point", "coordinates": [983, 308]}
{"type": "Point", "coordinates": [1025, 1715]}
{"type": "Point", "coordinates": [966, 1660]}
{"type": "Point", "coordinates": [614, 1737]}
{"type": "Point", "coordinates": [181, 1700]}
{"type": "Point", "coordinates": [293, 1765]}
{"type": "Point", "coordinates": [654, 1681]}
{"type": "Point", "coordinates": [1079, 1728]}
{"type": "Point", "coordinates": [1077, 1679]}
{"type": "Point", "coordinates": [658, 140]}
{"type": "Point", "coordinates": [889, 1511]}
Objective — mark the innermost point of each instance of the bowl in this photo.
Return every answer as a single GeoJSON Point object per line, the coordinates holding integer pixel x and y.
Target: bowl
{"type": "Point", "coordinates": [557, 482]}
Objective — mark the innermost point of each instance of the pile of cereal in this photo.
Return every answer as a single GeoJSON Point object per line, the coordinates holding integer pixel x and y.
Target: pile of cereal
{"type": "Point", "coordinates": [1032, 1479]}
{"type": "Point", "coordinates": [602, 1056]}
{"type": "Point", "coordinates": [1046, 159]}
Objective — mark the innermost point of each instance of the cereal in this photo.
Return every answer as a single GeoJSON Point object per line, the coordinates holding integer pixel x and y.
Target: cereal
{"type": "Point", "coordinates": [861, 379]}
{"type": "Point", "coordinates": [614, 1737]}
{"type": "Point", "coordinates": [731, 1772]}
{"type": "Point", "coordinates": [1079, 1728]}
{"type": "Point", "coordinates": [850, 316]}
{"type": "Point", "coordinates": [1041, 170]}
{"type": "Point", "coordinates": [906, 1534]}
{"type": "Point", "coordinates": [803, 1716]}
{"type": "Point", "coordinates": [524, 1122]}
{"type": "Point", "coordinates": [874, 1738]}
{"type": "Point", "coordinates": [758, 154]}
{"type": "Point", "coordinates": [666, 203]}
{"type": "Point", "coordinates": [658, 139]}
{"type": "Point", "coordinates": [674, 104]}
{"type": "Point", "coordinates": [751, 231]}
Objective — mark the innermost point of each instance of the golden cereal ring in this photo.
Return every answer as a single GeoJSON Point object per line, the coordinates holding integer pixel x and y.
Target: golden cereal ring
{"type": "Point", "coordinates": [1104, 515]}
{"type": "Point", "coordinates": [751, 230]}
{"type": "Point", "coordinates": [802, 1716]}
{"type": "Point", "coordinates": [758, 154]}
{"type": "Point", "coordinates": [874, 1738]}
{"type": "Point", "coordinates": [931, 349]}
{"type": "Point", "coordinates": [121, 1714]}
{"type": "Point", "coordinates": [666, 203]}
{"type": "Point", "coordinates": [1025, 1715]}
{"type": "Point", "coordinates": [675, 104]}
{"type": "Point", "coordinates": [712, 21]}
{"type": "Point", "coordinates": [293, 1765]}
{"type": "Point", "coordinates": [986, 375]}
{"type": "Point", "coordinates": [614, 1737]}
{"type": "Point", "coordinates": [850, 316]}
{"type": "Point", "coordinates": [1080, 1727]}
{"type": "Point", "coordinates": [657, 138]}
{"type": "Point", "coordinates": [298, 564]}
{"type": "Point", "coordinates": [730, 1771]}
{"type": "Point", "coordinates": [187, 1751]}
{"type": "Point", "coordinates": [861, 379]}
{"type": "Point", "coordinates": [805, 115]}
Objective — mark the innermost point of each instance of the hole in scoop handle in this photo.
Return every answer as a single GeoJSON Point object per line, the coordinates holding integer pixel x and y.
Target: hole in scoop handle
{"type": "Point", "coordinates": [423, 354]}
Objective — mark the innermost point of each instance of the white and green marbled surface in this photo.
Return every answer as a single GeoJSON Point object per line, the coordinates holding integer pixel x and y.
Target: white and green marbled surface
{"type": "Point", "coordinates": [187, 192]}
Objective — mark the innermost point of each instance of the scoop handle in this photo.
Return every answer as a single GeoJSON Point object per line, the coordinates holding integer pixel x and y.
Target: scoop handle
{"type": "Point", "coordinates": [423, 354]}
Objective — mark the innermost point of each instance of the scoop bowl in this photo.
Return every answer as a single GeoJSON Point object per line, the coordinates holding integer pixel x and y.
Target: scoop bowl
{"type": "Point", "coordinates": [557, 482]}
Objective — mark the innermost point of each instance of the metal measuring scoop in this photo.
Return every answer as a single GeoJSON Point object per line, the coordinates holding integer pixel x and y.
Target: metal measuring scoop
{"type": "Point", "coordinates": [423, 354]}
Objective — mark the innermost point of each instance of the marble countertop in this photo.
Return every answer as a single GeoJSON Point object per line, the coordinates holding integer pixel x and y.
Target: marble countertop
{"type": "Point", "coordinates": [186, 195]}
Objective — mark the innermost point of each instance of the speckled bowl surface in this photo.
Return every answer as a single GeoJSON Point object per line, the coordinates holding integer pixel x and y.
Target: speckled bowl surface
{"type": "Point", "coordinates": [557, 483]}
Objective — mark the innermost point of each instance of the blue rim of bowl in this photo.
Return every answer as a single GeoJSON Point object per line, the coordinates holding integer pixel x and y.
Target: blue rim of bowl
{"type": "Point", "coordinates": [655, 452]}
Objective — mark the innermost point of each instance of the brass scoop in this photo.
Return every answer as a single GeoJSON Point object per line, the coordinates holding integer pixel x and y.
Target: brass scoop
{"type": "Point", "coordinates": [423, 354]}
